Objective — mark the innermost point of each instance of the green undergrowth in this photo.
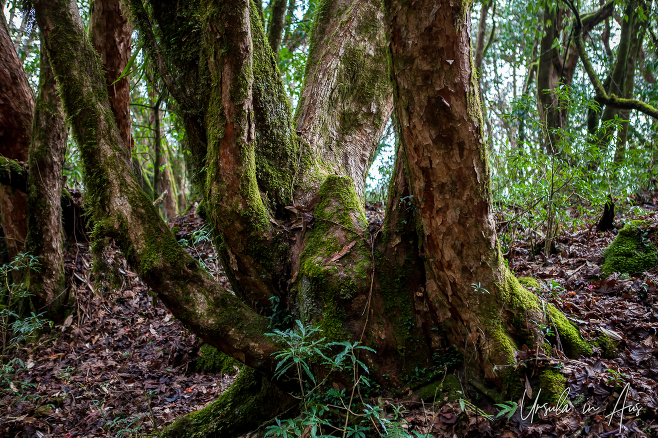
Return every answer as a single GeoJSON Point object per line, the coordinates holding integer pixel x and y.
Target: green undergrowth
{"type": "Point", "coordinates": [632, 251]}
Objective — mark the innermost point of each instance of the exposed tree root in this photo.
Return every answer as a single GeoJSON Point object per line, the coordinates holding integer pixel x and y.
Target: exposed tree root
{"type": "Point", "coordinates": [251, 401]}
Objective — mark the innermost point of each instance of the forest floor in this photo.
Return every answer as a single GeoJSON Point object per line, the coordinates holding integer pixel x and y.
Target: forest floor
{"type": "Point", "coordinates": [121, 365]}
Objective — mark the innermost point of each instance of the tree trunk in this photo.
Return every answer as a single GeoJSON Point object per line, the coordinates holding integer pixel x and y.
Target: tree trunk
{"type": "Point", "coordinates": [46, 161]}
{"type": "Point", "coordinates": [547, 78]}
{"type": "Point", "coordinates": [482, 30]}
{"type": "Point", "coordinates": [347, 98]}
{"type": "Point", "coordinates": [629, 88]}
{"type": "Point", "coordinates": [468, 286]}
{"type": "Point", "coordinates": [111, 36]}
{"type": "Point", "coordinates": [276, 25]}
{"type": "Point", "coordinates": [16, 111]}
{"type": "Point", "coordinates": [602, 134]}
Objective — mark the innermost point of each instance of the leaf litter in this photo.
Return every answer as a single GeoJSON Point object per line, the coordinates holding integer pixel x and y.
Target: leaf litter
{"type": "Point", "coordinates": [123, 365]}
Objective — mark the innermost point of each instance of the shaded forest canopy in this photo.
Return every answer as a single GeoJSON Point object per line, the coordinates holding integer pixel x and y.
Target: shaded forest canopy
{"type": "Point", "coordinates": [350, 202]}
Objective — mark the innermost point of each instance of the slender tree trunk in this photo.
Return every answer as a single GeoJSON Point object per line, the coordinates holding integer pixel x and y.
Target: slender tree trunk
{"type": "Point", "coordinates": [111, 36]}
{"type": "Point", "coordinates": [482, 31]}
{"type": "Point", "coordinates": [605, 132]}
{"type": "Point", "coordinates": [629, 86]}
{"type": "Point", "coordinates": [275, 27]}
{"type": "Point", "coordinates": [547, 78]}
{"type": "Point", "coordinates": [168, 185]}
{"type": "Point", "coordinates": [157, 146]}
{"type": "Point", "coordinates": [46, 161]}
{"type": "Point", "coordinates": [16, 111]}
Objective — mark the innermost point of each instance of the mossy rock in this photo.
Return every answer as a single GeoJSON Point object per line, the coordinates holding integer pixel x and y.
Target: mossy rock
{"type": "Point", "coordinates": [440, 388]}
{"type": "Point", "coordinates": [214, 361]}
{"type": "Point", "coordinates": [552, 384]}
{"type": "Point", "coordinates": [632, 251]}
{"type": "Point", "coordinates": [530, 282]}
{"type": "Point", "coordinates": [609, 346]}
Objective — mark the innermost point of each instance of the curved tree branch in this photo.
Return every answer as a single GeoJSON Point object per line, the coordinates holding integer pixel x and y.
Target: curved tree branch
{"type": "Point", "coordinates": [608, 99]}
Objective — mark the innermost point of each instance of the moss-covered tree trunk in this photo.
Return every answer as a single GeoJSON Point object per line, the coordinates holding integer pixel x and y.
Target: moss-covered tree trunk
{"type": "Point", "coordinates": [46, 161]}
{"type": "Point", "coordinates": [16, 111]}
{"type": "Point", "coordinates": [287, 204]}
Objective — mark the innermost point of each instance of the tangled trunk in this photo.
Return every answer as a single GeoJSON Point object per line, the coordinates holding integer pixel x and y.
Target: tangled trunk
{"type": "Point", "coordinates": [287, 204]}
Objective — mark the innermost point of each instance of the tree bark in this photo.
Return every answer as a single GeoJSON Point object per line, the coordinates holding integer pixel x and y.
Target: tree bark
{"type": "Point", "coordinates": [45, 183]}
{"type": "Point", "coordinates": [111, 36]}
{"type": "Point", "coordinates": [547, 78]}
{"type": "Point", "coordinates": [637, 39]}
{"type": "Point", "coordinates": [618, 78]}
{"type": "Point", "coordinates": [16, 111]}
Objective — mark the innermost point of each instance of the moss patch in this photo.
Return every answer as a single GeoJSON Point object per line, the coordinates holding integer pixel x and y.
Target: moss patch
{"type": "Point", "coordinates": [440, 388]}
{"type": "Point", "coordinates": [631, 252]}
{"type": "Point", "coordinates": [214, 361]}
{"type": "Point", "coordinates": [529, 282]}
{"type": "Point", "coordinates": [609, 346]}
{"type": "Point", "coordinates": [552, 384]}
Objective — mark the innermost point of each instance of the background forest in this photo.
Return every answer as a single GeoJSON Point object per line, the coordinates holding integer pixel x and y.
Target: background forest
{"type": "Point", "coordinates": [568, 173]}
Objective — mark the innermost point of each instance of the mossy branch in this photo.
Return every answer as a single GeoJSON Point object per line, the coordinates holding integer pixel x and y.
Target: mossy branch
{"type": "Point", "coordinates": [611, 99]}
{"type": "Point", "coordinates": [13, 174]}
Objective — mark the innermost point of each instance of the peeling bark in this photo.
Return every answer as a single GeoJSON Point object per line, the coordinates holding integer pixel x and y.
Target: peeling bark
{"type": "Point", "coordinates": [16, 111]}
{"type": "Point", "coordinates": [441, 133]}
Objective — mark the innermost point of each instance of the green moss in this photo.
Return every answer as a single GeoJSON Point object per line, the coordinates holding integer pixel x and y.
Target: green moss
{"type": "Point", "coordinates": [250, 401]}
{"type": "Point", "coordinates": [436, 391]}
{"type": "Point", "coordinates": [573, 343]}
{"type": "Point", "coordinates": [325, 289]}
{"type": "Point", "coordinates": [552, 384]}
{"type": "Point", "coordinates": [530, 282]}
{"type": "Point", "coordinates": [609, 346]}
{"type": "Point", "coordinates": [631, 252]}
{"type": "Point", "coordinates": [214, 361]}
